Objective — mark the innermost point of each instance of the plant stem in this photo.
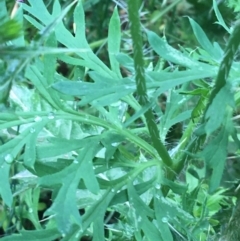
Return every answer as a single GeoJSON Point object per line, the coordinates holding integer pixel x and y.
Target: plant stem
{"type": "Point", "coordinates": [135, 28]}
{"type": "Point", "coordinates": [226, 63]}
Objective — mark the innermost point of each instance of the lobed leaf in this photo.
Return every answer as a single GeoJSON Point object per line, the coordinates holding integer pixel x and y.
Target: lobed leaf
{"type": "Point", "coordinates": [164, 50]}
{"type": "Point", "coordinates": [142, 213]}
{"type": "Point", "coordinates": [215, 154]}
{"type": "Point", "coordinates": [222, 101]}
{"type": "Point", "coordinates": [64, 207]}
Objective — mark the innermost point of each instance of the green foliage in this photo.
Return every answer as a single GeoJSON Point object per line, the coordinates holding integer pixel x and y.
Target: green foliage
{"type": "Point", "coordinates": [77, 149]}
{"type": "Point", "coordinates": [234, 4]}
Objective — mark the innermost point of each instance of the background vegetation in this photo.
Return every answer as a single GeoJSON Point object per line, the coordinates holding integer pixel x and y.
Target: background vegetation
{"type": "Point", "coordinates": [119, 120]}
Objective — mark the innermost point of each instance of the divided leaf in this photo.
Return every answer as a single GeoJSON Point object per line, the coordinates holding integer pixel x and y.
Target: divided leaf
{"type": "Point", "coordinates": [164, 50]}
{"type": "Point", "coordinates": [142, 213]}
{"type": "Point", "coordinates": [98, 93]}
{"type": "Point", "coordinates": [223, 101]}
{"type": "Point", "coordinates": [64, 208]}
{"type": "Point", "coordinates": [215, 154]}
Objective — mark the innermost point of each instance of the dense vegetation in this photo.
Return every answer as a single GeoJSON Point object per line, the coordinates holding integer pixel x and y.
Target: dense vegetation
{"type": "Point", "coordinates": [119, 120]}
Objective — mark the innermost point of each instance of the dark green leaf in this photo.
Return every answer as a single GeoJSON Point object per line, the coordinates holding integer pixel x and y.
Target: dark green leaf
{"type": "Point", "coordinates": [222, 101]}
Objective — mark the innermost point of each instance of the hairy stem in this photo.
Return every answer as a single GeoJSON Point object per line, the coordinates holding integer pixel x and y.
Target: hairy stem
{"type": "Point", "coordinates": [135, 28]}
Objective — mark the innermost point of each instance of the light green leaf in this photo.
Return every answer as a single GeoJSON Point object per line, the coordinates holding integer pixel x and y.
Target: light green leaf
{"type": "Point", "coordinates": [95, 93]}
{"type": "Point", "coordinates": [43, 168]}
{"type": "Point", "coordinates": [160, 213]}
{"type": "Point", "coordinates": [97, 210]}
{"type": "Point", "coordinates": [168, 213]}
{"type": "Point", "coordinates": [59, 146]}
{"type": "Point", "coordinates": [64, 207]}
{"type": "Point", "coordinates": [39, 11]}
{"type": "Point", "coordinates": [164, 50]}
{"type": "Point", "coordinates": [142, 211]}
{"type": "Point", "coordinates": [81, 42]}
{"type": "Point", "coordinates": [11, 149]}
{"type": "Point", "coordinates": [204, 41]}
{"type": "Point", "coordinates": [73, 61]}
{"type": "Point", "coordinates": [168, 80]}
{"type": "Point", "coordinates": [31, 198]}
{"type": "Point", "coordinates": [40, 82]}
{"type": "Point", "coordinates": [114, 39]}
{"type": "Point", "coordinates": [50, 60]}
{"type": "Point", "coordinates": [141, 188]}
{"type": "Point", "coordinates": [34, 22]}
{"type": "Point", "coordinates": [36, 235]}
{"type": "Point", "coordinates": [7, 117]}
{"type": "Point", "coordinates": [219, 17]}
{"type": "Point", "coordinates": [5, 189]}
{"type": "Point", "coordinates": [3, 12]}
{"type": "Point", "coordinates": [110, 141]}
{"type": "Point", "coordinates": [30, 147]}
{"type": "Point", "coordinates": [98, 227]}
{"type": "Point", "coordinates": [126, 61]}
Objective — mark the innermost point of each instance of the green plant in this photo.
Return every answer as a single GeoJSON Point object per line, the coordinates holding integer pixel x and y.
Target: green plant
{"type": "Point", "coordinates": [97, 142]}
{"type": "Point", "coordinates": [234, 4]}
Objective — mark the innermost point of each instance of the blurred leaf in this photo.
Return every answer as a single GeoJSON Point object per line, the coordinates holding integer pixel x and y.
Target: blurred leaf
{"type": "Point", "coordinates": [37, 235]}
{"type": "Point", "coordinates": [5, 189]}
{"type": "Point", "coordinates": [215, 154]}
{"type": "Point", "coordinates": [163, 49]}
{"type": "Point", "coordinates": [176, 187]}
{"type": "Point", "coordinates": [219, 17]}
{"type": "Point", "coordinates": [9, 30]}
{"type": "Point", "coordinates": [168, 213]}
{"type": "Point", "coordinates": [203, 93]}
{"type": "Point", "coordinates": [168, 80]}
{"type": "Point", "coordinates": [59, 146]}
{"type": "Point", "coordinates": [173, 113]}
{"type": "Point", "coordinates": [141, 188]}
{"type": "Point", "coordinates": [204, 41]}
{"type": "Point", "coordinates": [126, 61]}
{"type": "Point", "coordinates": [222, 101]}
